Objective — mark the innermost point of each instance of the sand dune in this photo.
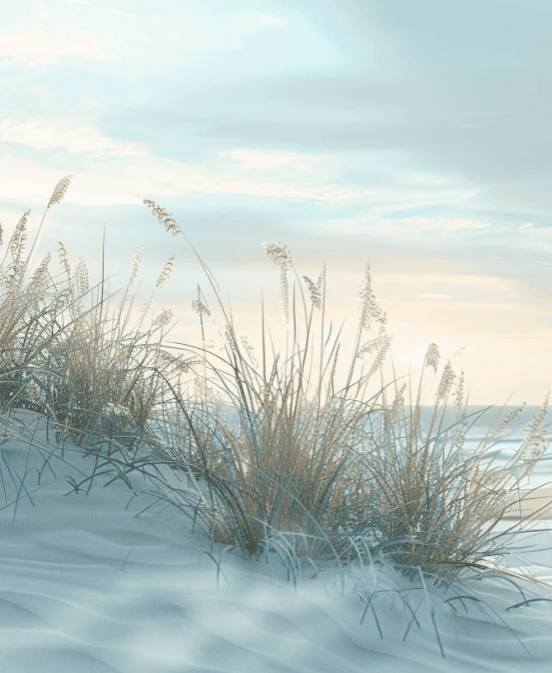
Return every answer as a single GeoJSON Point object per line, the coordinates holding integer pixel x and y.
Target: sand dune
{"type": "Point", "coordinates": [88, 586]}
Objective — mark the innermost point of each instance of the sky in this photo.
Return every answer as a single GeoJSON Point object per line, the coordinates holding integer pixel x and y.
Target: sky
{"type": "Point", "coordinates": [414, 136]}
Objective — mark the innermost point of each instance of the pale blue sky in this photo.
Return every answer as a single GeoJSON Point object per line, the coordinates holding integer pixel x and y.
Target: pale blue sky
{"type": "Point", "coordinates": [413, 135]}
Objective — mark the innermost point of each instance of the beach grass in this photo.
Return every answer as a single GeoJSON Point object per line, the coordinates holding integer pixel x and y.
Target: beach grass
{"type": "Point", "coordinates": [315, 473]}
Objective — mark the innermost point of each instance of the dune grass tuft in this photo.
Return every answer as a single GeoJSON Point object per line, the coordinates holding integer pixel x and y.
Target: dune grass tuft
{"type": "Point", "coordinates": [84, 368]}
{"type": "Point", "coordinates": [313, 472]}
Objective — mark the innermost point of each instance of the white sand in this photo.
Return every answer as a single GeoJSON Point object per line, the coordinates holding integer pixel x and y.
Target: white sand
{"type": "Point", "coordinates": [87, 587]}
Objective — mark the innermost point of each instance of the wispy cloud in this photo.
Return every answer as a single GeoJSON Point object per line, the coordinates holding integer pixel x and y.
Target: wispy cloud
{"type": "Point", "coordinates": [532, 228]}
{"type": "Point", "coordinates": [40, 46]}
{"type": "Point", "coordinates": [446, 224]}
{"type": "Point", "coordinates": [403, 228]}
{"type": "Point", "coordinates": [131, 175]}
{"type": "Point", "coordinates": [268, 20]}
{"type": "Point", "coordinates": [435, 296]}
{"type": "Point", "coordinates": [74, 138]}
{"type": "Point", "coordinates": [267, 161]}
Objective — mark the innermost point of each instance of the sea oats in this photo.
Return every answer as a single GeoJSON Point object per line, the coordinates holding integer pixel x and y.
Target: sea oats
{"type": "Point", "coordinates": [447, 377]}
{"type": "Point", "coordinates": [249, 350]}
{"type": "Point", "coordinates": [39, 281]}
{"type": "Point", "coordinates": [278, 253]}
{"type": "Point", "coordinates": [64, 260]}
{"type": "Point", "coordinates": [536, 443]}
{"type": "Point", "coordinates": [136, 265]}
{"type": "Point", "coordinates": [59, 191]}
{"type": "Point", "coordinates": [56, 197]}
{"type": "Point", "coordinates": [81, 277]}
{"type": "Point", "coordinates": [398, 402]}
{"type": "Point", "coordinates": [13, 274]}
{"type": "Point", "coordinates": [179, 361]}
{"type": "Point", "coordinates": [199, 307]}
{"type": "Point", "coordinates": [534, 447]}
{"type": "Point", "coordinates": [281, 256]}
{"type": "Point", "coordinates": [384, 342]}
{"type": "Point", "coordinates": [163, 319]}
{"type": "Point", "coordinates": [163, 276]}
{"type": "Point", "coordinates": [230, 336]}
{"type": "Point", "coordinates": [379, 343]}
{"type": "Point", "coordinates": [370, 308]}
{"type": "Point", "coordinates": [507, 420]}
{"type": "Point", "coordinates": [18, 238]}
{"type": "Point", "coordinates": [540, 416]}
{"type": "Point", "coordinates": [432, 357]}
{"type": "Point", "coordinates": [164, 217]}
{"type": "Point", "coordinates": [459, 394]}
{"type": "Point", "coordinates": [132, 278]}
{"type": "Point", "coordinates": [314, 290]}
{"type": "Point", "coordinates": [166, 272]}
{"type": "Point", "coordinates": [41, 270]}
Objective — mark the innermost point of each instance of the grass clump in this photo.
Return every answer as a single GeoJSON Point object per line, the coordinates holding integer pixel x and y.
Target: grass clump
{"type": "Point", "coordinates": [312, 475]}
{"type": "Point", "coordinates": [282, 471]}
{"type": "Point", "coordinates": [97, 379]}
{"type": "Point", "coordinates": [434, 506]}
{"type": "Point", "coordinates": [102, 375]}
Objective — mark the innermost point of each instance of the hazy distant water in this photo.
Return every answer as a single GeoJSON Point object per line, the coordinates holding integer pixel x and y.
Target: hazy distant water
{"type": "Point", "coordinates": [510, 440]}
{"type": "Point", "coordinates": [503, 447]}
{"type": "Point", "coordinates": [494, 416]}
